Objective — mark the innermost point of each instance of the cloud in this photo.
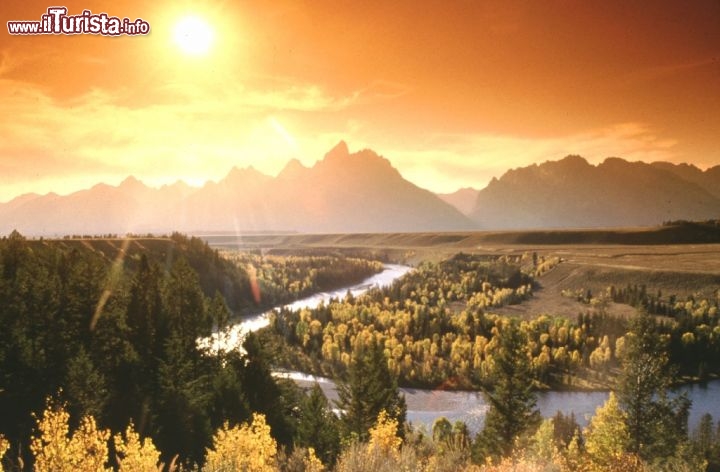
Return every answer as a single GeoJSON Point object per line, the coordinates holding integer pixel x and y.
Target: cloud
{"type": "Point", "coordinates": [270, 95]}
{"type": "Point", "coordinates": [182, 131]}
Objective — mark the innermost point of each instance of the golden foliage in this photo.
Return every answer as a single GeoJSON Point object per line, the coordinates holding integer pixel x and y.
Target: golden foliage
{"type": "Point", "coordinates": [358, 457]}
{"type": "Point", "coordinates": [514, 464]}
{"type": "Point", "coordinates": [4, 446]}
{"type": "Point", "coordinates": [245, 447]}
{"type": "Point", "coordinates": [55, 450]}
{"type": "Point", "coordinates": [383, 436]}
{"type": "Point", "coordinates": [543, 441]}
{"type": "Point", "coordinates": [312, 463]}
{"type": "Point", "coordinates": [135, 455]}
{"type": "Point", "coordinates": [606, 437]}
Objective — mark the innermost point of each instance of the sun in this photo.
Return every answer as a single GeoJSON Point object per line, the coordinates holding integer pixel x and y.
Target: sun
{"type": "Point", "coordinates": [193, 36]}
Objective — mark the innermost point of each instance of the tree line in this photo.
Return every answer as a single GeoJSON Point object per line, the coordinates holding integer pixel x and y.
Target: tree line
{"type": "Point", "coordinates": [640, 427]}
{"type": "Point", "coordinates": [111, 333]}
{"type": "Point", "coordinates": [437, 328]}
{"type": "Point", "coordinates": [103, 351]}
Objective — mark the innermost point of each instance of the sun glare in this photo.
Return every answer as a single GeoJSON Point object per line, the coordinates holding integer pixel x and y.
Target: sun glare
{"type": "Point", "coordinates": [194, 36]}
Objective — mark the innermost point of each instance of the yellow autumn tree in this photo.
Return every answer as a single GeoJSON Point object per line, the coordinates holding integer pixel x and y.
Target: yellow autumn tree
{"type": "Point", "coordinates": [311, 462]}
{"type": "Point", "coordinates": [135, 455]}
{"type": "Point", "coordinates": [383, 436]}
{"type": "Point", "coordinates": [606, 437]}
{"type": "Point", "coordinates": [543, 441]}
{"type": "Point", "coordinates": [243, 448]}
{"type": "Point", "coordinates": [55, 450]}
{"type": "Point", "coordinates": [4, 446]}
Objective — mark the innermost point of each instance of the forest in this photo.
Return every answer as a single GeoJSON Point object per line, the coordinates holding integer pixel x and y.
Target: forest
{"type": "Point", "coordinates": [438, 328]}
{"type": "Point", "coordinates": [100, 367]}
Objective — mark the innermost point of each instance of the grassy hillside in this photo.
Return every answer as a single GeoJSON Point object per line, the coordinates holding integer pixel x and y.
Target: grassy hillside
{"type": "Point", "coordinates": [677, 233]}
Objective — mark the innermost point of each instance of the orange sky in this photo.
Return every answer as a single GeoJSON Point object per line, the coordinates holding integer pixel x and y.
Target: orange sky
{"type": "Point", "coordinates": [452, 92]}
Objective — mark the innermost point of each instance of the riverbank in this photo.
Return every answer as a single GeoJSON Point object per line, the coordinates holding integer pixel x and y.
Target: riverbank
{"type": "Point", "coordinates": [425, 405]}
{"type": "Point", "coordinates": [233, 336]}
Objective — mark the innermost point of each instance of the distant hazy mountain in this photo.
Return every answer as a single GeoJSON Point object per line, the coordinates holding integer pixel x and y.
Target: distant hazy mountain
{"type": "Point", "coordinates": [362, 192]}
{"type": "Point", "coordinates": [344, 192]}
{"type": "Point", "coordinates": [571, 193]}
{"type": "Point", "coordinates": [464, 199]}
{"type": "Point", "coordinates": [708, 179]}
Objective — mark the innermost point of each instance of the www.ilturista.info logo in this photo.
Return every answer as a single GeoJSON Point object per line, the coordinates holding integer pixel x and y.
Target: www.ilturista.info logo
{"type": "Point", "coordinates": [57, 21]}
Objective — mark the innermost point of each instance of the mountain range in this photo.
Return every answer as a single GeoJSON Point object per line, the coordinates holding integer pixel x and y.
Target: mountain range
{"type": "Point", "coordinates": [344, 192]}
{"type": "Point", "coordinates": [362, 192]}
{"type": "Point", "coordinates": [571, 193]}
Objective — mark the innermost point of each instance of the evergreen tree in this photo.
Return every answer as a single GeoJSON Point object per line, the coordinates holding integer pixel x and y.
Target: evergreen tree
{"type": "Point", "coordinates": [263, 393]}
{"type": "Point", "coordinates": [114, 356]}
{"type": "Point", "coordinates": [656, 424]}
{"type": "Point", "coordinates": [512, 400]}
{"type": "Point", "coordinates": [565, 427]}
{"type": "Point", "coordinates": [229, 402]}
{"type": "Point", "coordinates": [144, 311]}
{"type": "Point", "coordinates": [218, 311]}
{"type": "Point", "coordinates": [184, 397]}
{"type": "Point", "coordinates": [137, 374]}
{"type": "Point", "coordinates": [707, 442]}
{"type": "Point", "coordinates": [369, 389]}
{"type": "Point", "coordinates": [85, 386]}
{"type": "Point", "coordinates": [461, 433]}
{"type": "Point", "coordinates": [184, 304]}
{"type": "Point", "coordinates": [441, 429]}
{"type": "Point", "coordinates": [318, 426]}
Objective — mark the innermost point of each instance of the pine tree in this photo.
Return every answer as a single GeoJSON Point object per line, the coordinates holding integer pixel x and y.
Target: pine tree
{"type": "Point", "coordinates": [512, 400]}
{"type": "Point", "coordinates": [144, 311]}
{"type": "Point", "coordinates": [218, 312]}
{"type": "Point", "coordinates": [183, 399]}
{"type": "Point", "coordinates": [228, 402]}
{"type": "Point", "coordinates": [656, 423]}
{"type": "Point", "coordinates": [441, 429]}
{"type": "Point", "coordinates": [318, 426]}
{"type": "Point", "coordinates": [706, 441]}
{"type": "Point", "coordinates": [184, 304]}
{"type": "Point", "coordinates": [263, 393]}
{"type": "Point", "coordinates": [85, 386]}
{"type": "Point", "coordinates": [369, 389]}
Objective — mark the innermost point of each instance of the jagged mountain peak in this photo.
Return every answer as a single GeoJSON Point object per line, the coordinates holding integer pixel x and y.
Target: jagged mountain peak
{"type": "Point", "coordinates": [571, 193]}
{"type": "Point", "coordinates": [614, 161]}
{"type": "Point", "coordinates": [574, 160]}
{"type": "Point", "coordinates": [178, 184]}
{"type": "Point", "coordinates": [463, 199]}
{"type": "Point", "coordinates": [132, 184]}
{"type": "Point", "coordinates": [339, 151]}
{"type": "Point", "coordinates": [239, 176]}
{"type": "Point", "coordinates": [670, 165]}
{"type": "Point", "coordinates": [99, 187]}
{"type": "Point", "coordinates": [363, 192]}
{"type": "Point", "coordinates": [293, 169]}
{"type": "Point", "coordinates": [344, 192]}
{"type": "Point", "coordinates": [365, 164]}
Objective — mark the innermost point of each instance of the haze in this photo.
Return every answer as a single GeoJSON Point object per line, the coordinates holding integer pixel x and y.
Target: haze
{"type": "Point", "coordinates": [453, 93]}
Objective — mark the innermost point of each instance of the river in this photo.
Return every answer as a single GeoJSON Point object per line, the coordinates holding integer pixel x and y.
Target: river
{"type": "Point", "coordinates": [232, 338]}
{"type": "Point", "coordinates": [424, 406]}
